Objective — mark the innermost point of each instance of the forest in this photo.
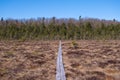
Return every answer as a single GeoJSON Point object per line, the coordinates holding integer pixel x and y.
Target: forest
{"type": "Point", "coordinates": [55, 29]}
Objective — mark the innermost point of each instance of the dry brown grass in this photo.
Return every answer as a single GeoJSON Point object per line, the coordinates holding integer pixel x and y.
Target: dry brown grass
{"type": "Point", "coordinates": [36, 60]}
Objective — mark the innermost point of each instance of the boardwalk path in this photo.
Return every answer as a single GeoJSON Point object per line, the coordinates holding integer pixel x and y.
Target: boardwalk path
{"type": "Point", "coordinates": [60, 72]}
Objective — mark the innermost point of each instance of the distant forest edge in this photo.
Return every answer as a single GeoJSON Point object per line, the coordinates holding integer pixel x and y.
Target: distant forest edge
{"type": "Point", "coordinates": [55, 29]}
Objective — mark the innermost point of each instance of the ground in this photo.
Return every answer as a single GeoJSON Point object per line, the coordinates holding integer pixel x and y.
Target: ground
{"type": "Point", "coordinates": [36, 60]}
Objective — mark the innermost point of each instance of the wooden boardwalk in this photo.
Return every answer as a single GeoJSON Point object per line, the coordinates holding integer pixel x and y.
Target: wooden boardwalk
{"type": "Point", "coordinates": [60, 72]}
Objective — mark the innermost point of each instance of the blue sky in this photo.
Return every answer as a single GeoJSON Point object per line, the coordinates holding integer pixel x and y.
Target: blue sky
{"type": "Point", "coordinates": [102, 9]}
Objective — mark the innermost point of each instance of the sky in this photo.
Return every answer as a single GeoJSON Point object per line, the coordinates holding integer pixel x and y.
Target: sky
{"type": "Point", "coordinates": [19, 9]}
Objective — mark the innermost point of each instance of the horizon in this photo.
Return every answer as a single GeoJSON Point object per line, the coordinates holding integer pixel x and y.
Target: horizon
{"type": "Point", "coordinates": [84, 18]}
{"type": "Point", "coordinates": [27, 9]}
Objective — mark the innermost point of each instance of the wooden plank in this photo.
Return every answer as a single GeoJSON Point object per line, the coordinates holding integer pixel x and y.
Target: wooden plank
{"type": "Point", "coordinates": [60, 72]}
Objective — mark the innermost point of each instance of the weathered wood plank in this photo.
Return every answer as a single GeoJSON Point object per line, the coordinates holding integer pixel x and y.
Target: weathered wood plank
{"type": "Point", "coordinates": [60, 72]}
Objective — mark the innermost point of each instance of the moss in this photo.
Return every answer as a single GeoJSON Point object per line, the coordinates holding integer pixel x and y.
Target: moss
{"type": "Point", "coordinates": [74, 44]}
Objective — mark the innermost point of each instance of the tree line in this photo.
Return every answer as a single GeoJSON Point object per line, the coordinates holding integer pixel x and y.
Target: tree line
{"type": "Point", "coordinates": [55, 29]}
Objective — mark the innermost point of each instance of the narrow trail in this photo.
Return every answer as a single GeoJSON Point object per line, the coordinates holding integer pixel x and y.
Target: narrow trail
{"type": "Point", "coordinates": [60, 72]}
